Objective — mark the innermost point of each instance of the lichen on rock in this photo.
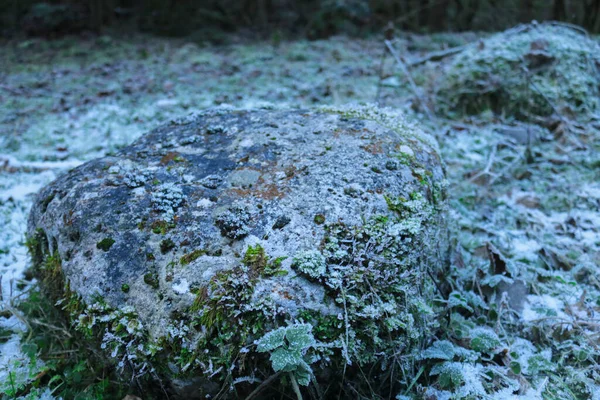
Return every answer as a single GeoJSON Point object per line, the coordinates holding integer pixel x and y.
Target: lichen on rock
{"type": "Point", "coordinates": [209, 257]}
{"type": "Point", "coordinates": [311, 263]}
{"type": "Point", "coordinates": [527, 72]}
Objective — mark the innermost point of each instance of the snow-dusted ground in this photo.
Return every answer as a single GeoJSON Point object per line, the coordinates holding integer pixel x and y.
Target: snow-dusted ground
{"type": "Point", "coordinates": [65, 102]}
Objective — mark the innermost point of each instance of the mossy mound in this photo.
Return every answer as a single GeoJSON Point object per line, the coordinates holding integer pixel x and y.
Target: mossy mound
{"type": "Point", "coordinates": [527, 72]}
{"type": "Point", "coordinates": [228, 247]}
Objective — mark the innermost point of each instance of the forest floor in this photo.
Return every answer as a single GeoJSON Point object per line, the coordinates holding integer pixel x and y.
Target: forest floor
{"type": "Point", "coordinates": [525, 201]}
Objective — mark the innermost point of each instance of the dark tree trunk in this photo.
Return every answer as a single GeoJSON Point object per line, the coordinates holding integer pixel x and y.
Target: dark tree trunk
{"type": "Point", "coordinates": [559, 10]}
{"type": "Point", "coordinates": [466, 14]}
{"type": "Point", "coordinates": [526, 12]}
{"type": "Point", "coordinates": [438, 14]}
{"type": "Point", "coordinates": [591, 14]}
{"type": "Point", "coordinates": [96, 17]}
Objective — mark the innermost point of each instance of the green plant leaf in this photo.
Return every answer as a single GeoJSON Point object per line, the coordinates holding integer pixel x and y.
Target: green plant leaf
{"type": "Point", "coordinates": [299, 336]}
{"type": "Point", "coordinates": [271, 340]}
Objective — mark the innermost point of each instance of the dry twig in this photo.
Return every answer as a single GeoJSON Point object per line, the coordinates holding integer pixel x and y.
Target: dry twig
{"type": "Point", "coordinates": [406, 72]}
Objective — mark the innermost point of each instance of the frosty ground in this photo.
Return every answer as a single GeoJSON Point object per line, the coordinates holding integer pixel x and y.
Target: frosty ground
{"type": "Point", "coordinates": [525, 217]}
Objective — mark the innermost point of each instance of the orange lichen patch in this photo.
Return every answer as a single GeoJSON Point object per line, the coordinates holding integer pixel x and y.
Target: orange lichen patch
{"type": "Point", "coordinates": [373, 148]}
{"type": "Point", "coordinates": [268, 191]}
{"type": "Point", "coordinates": [167, 158]}
{"type": "Point", "coordinates": [290, 171]}
{"type": "Point", "coordinates": [264, 190]}
{"type": "Point", "coordinates": [283, 292]}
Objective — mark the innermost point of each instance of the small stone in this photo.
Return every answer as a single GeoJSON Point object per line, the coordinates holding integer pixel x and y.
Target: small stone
{"type": "Point", "coordinates": [391, 165]}
{"type": "Point", "coordinates": [281, 222]}
{"type": "Point", "coordinates": [211, 181]}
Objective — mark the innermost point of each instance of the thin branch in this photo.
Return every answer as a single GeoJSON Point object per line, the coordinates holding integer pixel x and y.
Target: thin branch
{"type": "Point", "coordinates": [263, 386]}
{"type": "Point", "coordinates": [437, 55]}
{"type": "Point", "coordinates": [406, 72]}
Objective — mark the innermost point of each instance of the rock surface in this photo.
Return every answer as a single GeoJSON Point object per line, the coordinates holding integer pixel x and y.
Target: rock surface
{"type": "Point", "coordinates": [181, 251]}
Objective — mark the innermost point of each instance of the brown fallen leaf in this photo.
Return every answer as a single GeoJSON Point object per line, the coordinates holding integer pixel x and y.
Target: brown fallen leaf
{"type": "Point", "coordinates": [529, 201]}
{"type": "Point", "coordinates": [497, 260]}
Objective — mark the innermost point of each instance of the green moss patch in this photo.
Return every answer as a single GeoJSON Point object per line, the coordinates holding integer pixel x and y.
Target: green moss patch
{"type": "Point", "coordinates": [166, 246]}
{"type": "Point", "coordinates": [162, 227]}
{"type": "Point", "coordinates": [105, 244]}
{"type": "Point", "coordinates": [188, 258]}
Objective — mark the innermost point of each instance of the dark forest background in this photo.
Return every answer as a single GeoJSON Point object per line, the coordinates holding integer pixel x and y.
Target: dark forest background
{"type": "Point", "coordinates": [310, 18]}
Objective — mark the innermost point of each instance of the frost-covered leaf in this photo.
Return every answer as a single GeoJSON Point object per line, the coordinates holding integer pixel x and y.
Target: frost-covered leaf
{"type": "Point", "coordinates": [303, 376]}
{"type": "Point", "coordinates": [285, 359]}
{"type": "Point", "coordinates": [450, 374]}
{"type": "Point", "coordinates": [441, 350]}
{"type": "Point", "coordinates": [495, 280]}
{"type": "Point", "coordinates": [463, 379]}
{"type": "Point", "coordinates": [299, 336]}
{"type": "Point", "coordinates": [311, 263]}
{"type": "Point", "coordinates": [271, 340]}
{"type": "Point", "coordinates": [475, 301]}
{"type": "Point", "coordinates": [540, 363]}
{"type": "Point", "coordinates": [515, 367]}
{"type": "Point", "coordinates": [484, 340]}
{"type": "Point", "coordinates": [456, 299]}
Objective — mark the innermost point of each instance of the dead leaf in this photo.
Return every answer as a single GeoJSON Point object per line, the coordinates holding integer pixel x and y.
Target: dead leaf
{"type": "Point", "coordinates": [497, 260]}
{"type": "Point", "coordinates": [529, 201]}
{"type": "Point", "coordinates": [555, 260]}
{"type": "Point", "coordinates": [539, 44]}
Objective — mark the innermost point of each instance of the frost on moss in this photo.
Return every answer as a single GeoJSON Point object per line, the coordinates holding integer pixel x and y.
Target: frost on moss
{"type": "Point", "coordinates": [310, 263]}
{"type": "Point", "coordinates": [166, 198]}
{"type": "Point", "coordinates": [526, 72]}
{"type": "Point", "coordinates": [234, 222]}
{"type": "Point", "coordinates": [387, 117]}
{"type": "Point", "coordinates": [376, 277]}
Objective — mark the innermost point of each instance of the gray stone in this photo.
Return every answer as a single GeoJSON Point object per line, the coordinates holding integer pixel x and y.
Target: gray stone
{"type": "Point", "coordinates": [211, 231]}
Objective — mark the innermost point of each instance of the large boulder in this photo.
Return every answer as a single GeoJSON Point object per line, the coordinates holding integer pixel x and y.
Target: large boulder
{"type": "Point", "coordinates": [525, 73]}
{"type": "Point", "coordinates": [226, 245]}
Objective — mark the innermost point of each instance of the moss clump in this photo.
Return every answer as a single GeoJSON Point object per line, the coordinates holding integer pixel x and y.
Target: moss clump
{"type": "Point", "coordinates": [526, 72]}
{"type": "Point", "coordinates": [259, 263]}
{"type": "Point", "coordinates": [37, 245]}
{"type": "Point", "coordinates": [255, 259]}
{"type": "Point", "coordinates": [166, 246]}
{"type": "Point", "coordinates": [230, 319]}
{"type": "Point", "coordinates": [311, 263]}
{"type": "Point", "coordinates": [71, 357]}
{"type": "Point", "coordinates": [105, 244]}
{"type": "Point", "coordinates": [234, 222]}
{"type": "Point", "coordinates": [319, 219]}
{"type": "Point", "coordinates": [188, 258]}
{"type": "Point", "coordinates": [162, 227]}
{"type": "Point", "coordinates": [151, 280]}
{"type": "Point", "coordinates": [125, 288]}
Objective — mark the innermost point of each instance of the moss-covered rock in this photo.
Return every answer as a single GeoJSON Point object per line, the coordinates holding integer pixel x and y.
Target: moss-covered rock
{"type": "Point", "coordinates": [526, 72]}
{"type": "Point", "coordinates": [231, 294]}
